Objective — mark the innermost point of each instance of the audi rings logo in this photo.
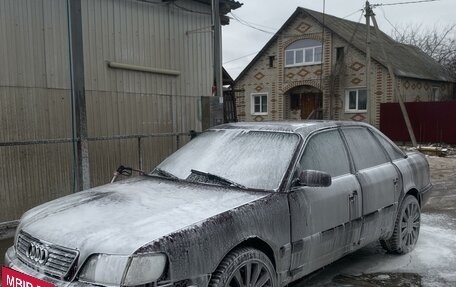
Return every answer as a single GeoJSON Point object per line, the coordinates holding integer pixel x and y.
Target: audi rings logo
{"type": "Point", "coordinates": [38, 253]}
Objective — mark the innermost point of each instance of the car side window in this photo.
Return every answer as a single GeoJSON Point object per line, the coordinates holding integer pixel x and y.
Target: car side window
{"type": "Point", "coordinates": [393, 151]}
{"type": "Point", "coordinates": [326, 152]}
{"type": "Point", "coordinates": [364, 148]}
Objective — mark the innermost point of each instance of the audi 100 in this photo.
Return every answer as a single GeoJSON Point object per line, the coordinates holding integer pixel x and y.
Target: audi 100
{"type": "Point", "coordinates": [245, 204]}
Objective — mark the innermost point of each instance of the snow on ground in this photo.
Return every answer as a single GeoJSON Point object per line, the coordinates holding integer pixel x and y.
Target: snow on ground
{"type": "Point", "coordinates": [434, 257]}
{"type": "Point", "coordinates": [433, 261]}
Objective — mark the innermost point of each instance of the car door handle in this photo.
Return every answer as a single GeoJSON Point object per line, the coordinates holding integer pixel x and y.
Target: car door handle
{"type": "Point", "coordinates": [352, 195]}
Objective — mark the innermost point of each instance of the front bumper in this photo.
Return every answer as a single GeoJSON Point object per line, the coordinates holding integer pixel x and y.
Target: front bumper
{"type": "Point", "coordinates": [11, 261]}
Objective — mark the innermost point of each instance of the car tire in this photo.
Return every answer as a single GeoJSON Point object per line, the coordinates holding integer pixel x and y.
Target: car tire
{"type": "Point", "coordinates": [406, 227]}
{"type": "Point", "coordinates": [244, 267]}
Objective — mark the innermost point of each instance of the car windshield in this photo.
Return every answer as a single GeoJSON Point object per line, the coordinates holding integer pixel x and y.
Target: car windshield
{"type": "Point", "coordinates": [252, 159]}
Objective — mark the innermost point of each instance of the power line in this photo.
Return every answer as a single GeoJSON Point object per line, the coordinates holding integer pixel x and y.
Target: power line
{"type": "Point", "coordinates": [389, 22]}
{"type": "Point", "coordinates": [255, 24]}
{"type": "Point", "coordinates": [402, 3]}
{"type": "Point", "coordinates": [248, 24]}
{"type": "Point", "coordinates": [353, 13]}
{"type": "Point", "coordinates": [232, 60]}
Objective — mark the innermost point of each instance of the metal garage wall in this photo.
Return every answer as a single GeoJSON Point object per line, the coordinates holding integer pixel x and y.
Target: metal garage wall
{"type": "Point", "coordinates": [128, 103]}
{"type": "Point", "coordinates": [134, 118]}
{"type": "Point", "coordinates": [34, 105]}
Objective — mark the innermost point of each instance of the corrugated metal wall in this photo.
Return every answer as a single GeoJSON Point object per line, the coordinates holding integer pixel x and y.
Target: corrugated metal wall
{"type": "Point", "coordinates": [133, 117]}
{"type": "Point", "coordinates": [34, 104]}
{"type": "Point", "coordinates": [432, 122]}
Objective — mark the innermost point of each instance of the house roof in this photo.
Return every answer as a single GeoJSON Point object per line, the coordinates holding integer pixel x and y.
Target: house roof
{"type": "Point", "coordinates": [406, 60]}
{"type": "Point", "coordinates": [227, 79]}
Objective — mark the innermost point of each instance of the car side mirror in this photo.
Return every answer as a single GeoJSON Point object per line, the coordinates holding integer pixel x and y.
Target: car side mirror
{"type": "Point", "coordinates": [314, 178]}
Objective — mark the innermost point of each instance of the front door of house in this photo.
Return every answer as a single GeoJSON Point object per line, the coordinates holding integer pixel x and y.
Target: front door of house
{"type": "Point", "coordinates": [309, 103]}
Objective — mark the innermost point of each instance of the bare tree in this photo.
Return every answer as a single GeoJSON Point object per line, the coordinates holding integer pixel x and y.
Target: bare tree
{"type": "Point", "coordinates": [437, 42]}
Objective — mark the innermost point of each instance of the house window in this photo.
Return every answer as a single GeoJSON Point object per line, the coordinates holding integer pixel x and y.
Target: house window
{"type": "Point", "coordinates": [339, 53]}
{"type": "Point", "coordinates": [271, 61]}
{"type": "Point", "coordinates": [303, 52]}
{"type": "Point", "coordinates": [435, 94]}
{"type": "Point", "coordinates": [356, 100]}
{"type": "Point", "coordinates": [259, 104]}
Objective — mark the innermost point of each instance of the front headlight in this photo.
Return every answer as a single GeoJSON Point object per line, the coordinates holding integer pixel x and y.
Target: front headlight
{"type": "Point", "coordinates": [120, 270]}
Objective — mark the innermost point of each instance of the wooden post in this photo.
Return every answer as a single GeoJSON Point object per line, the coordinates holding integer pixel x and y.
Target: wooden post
{"type": "Point", "coordinates": [395, 88]}
{"type": "Point", "coordinates": [369, 13]}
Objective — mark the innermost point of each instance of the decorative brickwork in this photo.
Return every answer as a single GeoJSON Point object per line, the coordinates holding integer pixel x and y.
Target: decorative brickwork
{"type": "Point", "coordinates": [312, 83]}
{"type": "Point", "coordinates": [290, 75]}
{"type": "Point", "coordinates": [356, 81]}
{"type": "Point", "coordinates": [303, 27]}
{"type": "Point", "coordinates": [303, 72]}
{"type": "Point", "coordinates": [358, 117]}
{"type": "Point", "coordinates": [258, 118]}
{"type": "Point", "coordinates": [356, 66]}
{"type": "Point", "coordinates": [259, 76]}
{"type": "Point", "coordinates": [389, 89]}
{"type": "Point", "coordinates": [279, 80]}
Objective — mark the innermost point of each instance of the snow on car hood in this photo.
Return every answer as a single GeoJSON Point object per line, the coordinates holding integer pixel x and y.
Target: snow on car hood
{"type": "Point", "coordinates": [121, 217]}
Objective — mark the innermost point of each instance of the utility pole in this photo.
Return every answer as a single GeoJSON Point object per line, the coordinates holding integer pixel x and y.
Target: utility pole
{"type": "Point", "coordinates": [79, 115]}
{"type": "Point", "coordinates": [217, 30]}
{"type": "Point", "coordinates": [369, 14]}
{"type": "Point", "coordinates": [396, 92]}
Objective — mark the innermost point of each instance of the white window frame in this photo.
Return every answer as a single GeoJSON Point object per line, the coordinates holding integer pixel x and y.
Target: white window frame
{"type": "Point", "coordinates": [252, 103]}
{"type": "Point", "coordinates": [303, 63]}
{"type": "Point", "coordinates": [347, 100]}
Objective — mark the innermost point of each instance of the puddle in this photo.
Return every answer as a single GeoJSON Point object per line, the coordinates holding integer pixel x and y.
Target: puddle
{"type": "Point", "coordinates": [379, 279]}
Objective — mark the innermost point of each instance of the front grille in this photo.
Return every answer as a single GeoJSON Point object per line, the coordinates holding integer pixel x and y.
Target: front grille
{"type": "Point", "coordinates": [52, 260]}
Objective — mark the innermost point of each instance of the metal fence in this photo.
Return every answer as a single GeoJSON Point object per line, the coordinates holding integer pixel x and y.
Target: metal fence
{"type": "Point", "coordinates": [432, 122]}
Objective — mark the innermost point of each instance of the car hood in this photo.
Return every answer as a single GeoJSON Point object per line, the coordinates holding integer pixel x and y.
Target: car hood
{"type": "Point", "coordinates": [119, 218]}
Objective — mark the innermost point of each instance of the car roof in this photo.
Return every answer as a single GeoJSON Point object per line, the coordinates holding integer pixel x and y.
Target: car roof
{"type": "Point", "coordinates": [300, 127]}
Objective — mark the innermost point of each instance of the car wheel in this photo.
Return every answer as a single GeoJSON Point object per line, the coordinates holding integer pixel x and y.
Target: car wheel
{"type": "Point", "coordinates": [406, 228]}
{"type": "Point", "coordinates": [244, 267]}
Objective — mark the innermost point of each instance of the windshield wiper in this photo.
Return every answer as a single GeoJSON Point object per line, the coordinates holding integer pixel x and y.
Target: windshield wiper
{"type": "Point", "coordinates": [218, 178]}
{"type": "Point", "coordinates": [161, 172]}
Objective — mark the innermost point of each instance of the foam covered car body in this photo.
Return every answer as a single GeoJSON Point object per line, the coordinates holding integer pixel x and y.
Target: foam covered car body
{"type": "Point", "coordinates": [242, 204]}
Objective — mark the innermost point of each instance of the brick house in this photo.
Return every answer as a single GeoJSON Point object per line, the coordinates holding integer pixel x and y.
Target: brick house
{"type": "Point", "coordinates": [315, 67]}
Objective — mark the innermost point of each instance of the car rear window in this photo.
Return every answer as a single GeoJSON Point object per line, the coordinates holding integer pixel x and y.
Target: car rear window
{"type": "Point", "coordinates": [364, 148]}
{"type": "Point", "coordinates": [393, 151]}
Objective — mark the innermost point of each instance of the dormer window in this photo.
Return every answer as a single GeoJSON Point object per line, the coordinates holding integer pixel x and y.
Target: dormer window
{"type": "Point", "coordinates": [303, 52]}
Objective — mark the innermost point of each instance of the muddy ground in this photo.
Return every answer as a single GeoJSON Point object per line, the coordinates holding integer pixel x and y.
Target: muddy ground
{"type": "Point", "coordinates": [432, 263]}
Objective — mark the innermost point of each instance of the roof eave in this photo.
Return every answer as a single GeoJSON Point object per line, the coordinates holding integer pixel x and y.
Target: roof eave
{"type": "Point", "coordinates": [268, 45]}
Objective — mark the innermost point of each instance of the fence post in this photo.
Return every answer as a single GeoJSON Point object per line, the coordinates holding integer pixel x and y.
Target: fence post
{"type": "Point", "coordinates": [139, 154]}
{"type": "Point", "coordinates": [78, 100]}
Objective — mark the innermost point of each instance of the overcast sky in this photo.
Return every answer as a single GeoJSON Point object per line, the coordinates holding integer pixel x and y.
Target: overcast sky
{"type": "Point", "coordinates": [240, 40]}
